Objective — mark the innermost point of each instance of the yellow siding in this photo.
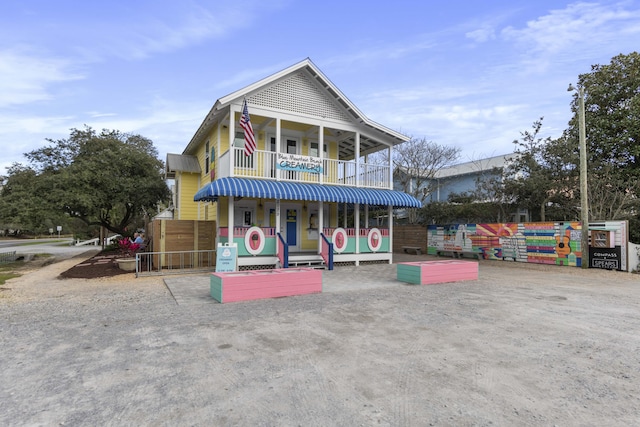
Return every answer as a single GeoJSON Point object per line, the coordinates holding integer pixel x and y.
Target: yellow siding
{"type": "Point", "coordinates": [332, 150]}
{"type": "Point", "coordinates": [223, 206]}
{"type": "Point", "coordinates": [224, 141]}
{"type": "Point", "coordinates": [333, 215]}
{"type": "Point", "coordinates": [188, 186]}
{"type": "Point", "coordinates": [300, 127]}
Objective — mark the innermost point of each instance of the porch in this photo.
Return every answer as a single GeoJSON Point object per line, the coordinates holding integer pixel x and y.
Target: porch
{"type": "Point", "coordinates": [275, 166]}
{"type": "Point", "coordinates": [263, 247]}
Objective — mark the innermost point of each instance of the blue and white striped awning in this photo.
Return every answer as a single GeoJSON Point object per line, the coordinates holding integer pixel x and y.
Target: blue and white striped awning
{"type": "Point", "coordinates": [284, 190]}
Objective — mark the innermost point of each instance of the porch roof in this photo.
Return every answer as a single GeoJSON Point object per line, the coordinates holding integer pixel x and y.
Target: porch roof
{"type": "Point", "coordinates": [284, 190]}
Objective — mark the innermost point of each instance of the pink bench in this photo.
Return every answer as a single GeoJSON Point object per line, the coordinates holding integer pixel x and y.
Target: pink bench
{"type": "Point", "coordinates": [259, 284]}
{"type": "Point", "coordinates": [430, 272]}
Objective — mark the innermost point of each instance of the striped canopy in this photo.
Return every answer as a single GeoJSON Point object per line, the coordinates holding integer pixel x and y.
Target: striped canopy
{"type": "Point", "coordinates": [284, 190]}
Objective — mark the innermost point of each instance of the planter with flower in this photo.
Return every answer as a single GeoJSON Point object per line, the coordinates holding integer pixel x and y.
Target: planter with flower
{"type": "Point", "coordinates": [128, 249]}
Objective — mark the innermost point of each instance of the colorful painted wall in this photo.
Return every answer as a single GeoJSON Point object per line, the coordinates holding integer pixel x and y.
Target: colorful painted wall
{"type": "Point", "coordinates": [541, 242]}
{"type": "Point", "coordinates": [537, 242]}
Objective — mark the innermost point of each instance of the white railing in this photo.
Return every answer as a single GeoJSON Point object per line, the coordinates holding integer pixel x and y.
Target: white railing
{"type": "Point", "coordinates": [175, 262]}
{"type": "Point", "coordinates": [262, 164]}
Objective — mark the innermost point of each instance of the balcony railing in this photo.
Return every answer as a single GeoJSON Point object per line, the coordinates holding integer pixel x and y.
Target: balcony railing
{"type": "Point", "coordinates": [263, 164]}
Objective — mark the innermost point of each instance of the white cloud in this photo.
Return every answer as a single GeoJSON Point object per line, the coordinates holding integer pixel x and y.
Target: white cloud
{"type": "Point", "coordinates": [566, 30]}
{"type": "Point", "coordinates": [482, 35]}
{"type": "Point", "coordinates": [159, 36]}
{"type": "Point", "coordinates": [26, 76]}
{"type": "Point", "coordinates": [165, 30]}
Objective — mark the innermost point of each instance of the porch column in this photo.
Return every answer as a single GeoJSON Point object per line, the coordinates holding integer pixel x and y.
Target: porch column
{"type": "Point", "coordinates": [390, 216]}
{"type": "Point", "coordinates": [217, 224]}
{"type": "Point", "coordinates": [230, 217]}
{"type": "Point", "coordinates": [321, 153]}
{"type": "Point", "coordinates": [390, 165]}
{"type": "Point", "coordinates": [357, 154]}
{"type": "Point", "coordinates": [320, 224]}
{"type": "Point", "coordinates": [278, 229]}
{"type": "Point", "coordinates": [356, 221]}
{"type": "Point", "coordinates": [346, 224]}
{"type": "Point", "coordinates": [278, 131]}
{"type": "Point", "coordinates": [232, 137]}
{"type": "Point", "coordinates": [366, 216]}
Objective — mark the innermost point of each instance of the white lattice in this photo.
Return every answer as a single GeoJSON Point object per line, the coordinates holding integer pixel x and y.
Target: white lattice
{"type": "Point", "coordinates": [299, 94]}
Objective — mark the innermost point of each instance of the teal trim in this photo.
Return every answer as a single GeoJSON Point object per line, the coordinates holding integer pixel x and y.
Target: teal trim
{"type": "Point", "coordinates": [215, 288]}
{"type": "Point", "coordinates": [269, 247]}
{"type": "Point", "coordinates": [364, 245]}
{"type": "Point", "coordinates": [409, 274]}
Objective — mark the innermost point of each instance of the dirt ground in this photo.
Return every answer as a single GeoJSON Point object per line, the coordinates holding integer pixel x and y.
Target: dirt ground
{"type": "Point", "coordinates": [522, 345]}
{"type": "Point", "coordinates": [102, 264]}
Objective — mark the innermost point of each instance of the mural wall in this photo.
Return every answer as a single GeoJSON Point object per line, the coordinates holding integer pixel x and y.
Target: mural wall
{"type": "Point", "coordinates": [557, 243]}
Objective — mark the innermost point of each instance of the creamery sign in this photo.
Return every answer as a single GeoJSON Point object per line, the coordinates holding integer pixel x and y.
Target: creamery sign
{"type": "Point", "coordinates": [296, 162]}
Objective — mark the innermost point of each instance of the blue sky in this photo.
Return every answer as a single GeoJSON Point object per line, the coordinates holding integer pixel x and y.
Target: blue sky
{"type": "Point", "coordinates": [467, 74]}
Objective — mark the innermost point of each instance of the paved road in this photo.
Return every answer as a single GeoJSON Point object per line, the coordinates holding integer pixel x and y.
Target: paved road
{"type": "Point", "coordinates": [62, 248]}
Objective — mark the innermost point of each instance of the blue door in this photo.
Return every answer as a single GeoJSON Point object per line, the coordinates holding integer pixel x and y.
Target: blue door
{"type": "Point", "coordinates": [292, 227]}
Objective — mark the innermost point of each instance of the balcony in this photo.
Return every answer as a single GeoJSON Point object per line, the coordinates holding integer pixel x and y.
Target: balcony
{"type": "Point", "coordinates": [264, 165]}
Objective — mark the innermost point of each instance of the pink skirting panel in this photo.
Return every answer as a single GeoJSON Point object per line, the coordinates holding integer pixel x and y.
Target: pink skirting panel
{"type": "Point", "coordinates": [259, 284]}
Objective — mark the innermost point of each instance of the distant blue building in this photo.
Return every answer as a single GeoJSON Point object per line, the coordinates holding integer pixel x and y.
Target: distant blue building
{"type": "Point", "coordinates": [464, 178]}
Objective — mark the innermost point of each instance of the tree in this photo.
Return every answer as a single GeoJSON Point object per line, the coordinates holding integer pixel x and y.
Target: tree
{"type": "Point", "coordinates": [612, 110]}
{"type": "Point", "coordinates": [539, 178]}
{"type": "Point", "coordinates": [109, 179]}
{"type": "Point", "coordinates": [612, 118]}
{"type": "Point", "coordinates": [416, 164]}
{"type": "Point", "coordinates": [19, 207]}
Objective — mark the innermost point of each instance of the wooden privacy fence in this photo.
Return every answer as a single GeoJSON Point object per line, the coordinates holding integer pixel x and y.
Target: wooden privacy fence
{"type": "Point", "coordinates": [170, 236]}
{"type": "Point", "coordinates": [410, 236]}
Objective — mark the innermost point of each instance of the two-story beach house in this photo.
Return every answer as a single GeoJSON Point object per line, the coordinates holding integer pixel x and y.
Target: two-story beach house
{"type": "Point", "coordinates": [305, 192]}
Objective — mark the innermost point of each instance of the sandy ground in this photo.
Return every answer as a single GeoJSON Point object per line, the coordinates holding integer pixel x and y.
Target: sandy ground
{"type": "Point", "coordinates": [523, 345]}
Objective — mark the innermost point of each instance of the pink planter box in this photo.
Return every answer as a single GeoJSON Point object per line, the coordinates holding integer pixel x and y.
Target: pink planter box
{"type": "Point", "coordinates": [259, 284]}
{"type": "Point", "coordinates": [429, 272]}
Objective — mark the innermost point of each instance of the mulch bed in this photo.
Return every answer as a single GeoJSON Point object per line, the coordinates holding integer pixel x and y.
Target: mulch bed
{"type": "Point", "coordinates": [101, 265]}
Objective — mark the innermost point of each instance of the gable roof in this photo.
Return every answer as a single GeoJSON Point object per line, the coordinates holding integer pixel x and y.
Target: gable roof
{"type": "Point", "coordinates": [301, 90]}
{"type": "Point", "coordinates": [475, 166]}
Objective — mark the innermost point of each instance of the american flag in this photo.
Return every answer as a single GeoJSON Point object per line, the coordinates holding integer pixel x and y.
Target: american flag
{"type": "Point", "coordinates": [249, 137]}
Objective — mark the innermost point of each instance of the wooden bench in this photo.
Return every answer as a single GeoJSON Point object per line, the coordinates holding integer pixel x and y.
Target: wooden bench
{"type": "Point", "coordinates": [416, 249]}
{"type": "Point", "coordinates": [431, 272]}
{"type": "Point", "coordinates": [458, 254]}
{"type": "Point", "coordinates": [259, 284]}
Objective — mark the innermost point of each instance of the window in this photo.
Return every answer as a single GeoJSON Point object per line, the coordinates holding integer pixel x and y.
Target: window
{"type": "Point", "coordinates": [313, 149]}
{"type": "Point", "coordinates": [292, 146]}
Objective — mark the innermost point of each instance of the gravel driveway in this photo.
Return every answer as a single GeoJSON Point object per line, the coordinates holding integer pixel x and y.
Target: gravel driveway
{"type": "Point", "coordinates": [523, 345]}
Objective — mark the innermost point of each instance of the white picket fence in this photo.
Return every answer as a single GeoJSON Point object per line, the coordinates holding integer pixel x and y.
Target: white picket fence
{"type": "Point", "coordinates": [96, 241]}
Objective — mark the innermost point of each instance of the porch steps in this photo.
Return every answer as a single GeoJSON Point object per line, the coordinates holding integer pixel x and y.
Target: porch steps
{"type": "Point", "coordinates": [307, 260]}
